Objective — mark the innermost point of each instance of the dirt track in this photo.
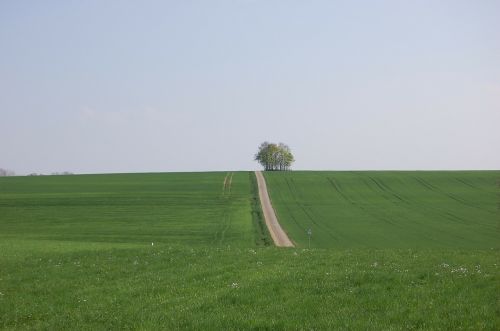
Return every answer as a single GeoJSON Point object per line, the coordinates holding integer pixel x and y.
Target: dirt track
{"type": "Point", "coordinates": [279, 236]}
{"type": "Point", "coordinates": [228, 182]}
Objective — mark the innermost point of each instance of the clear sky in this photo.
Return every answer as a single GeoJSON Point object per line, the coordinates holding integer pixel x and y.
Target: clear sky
{"type": "Point", "coordinates": [138, 86]}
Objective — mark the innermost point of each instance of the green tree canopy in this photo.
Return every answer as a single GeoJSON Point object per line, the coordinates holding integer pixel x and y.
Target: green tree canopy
{"type": "Point", "coordinates": [274, 157]}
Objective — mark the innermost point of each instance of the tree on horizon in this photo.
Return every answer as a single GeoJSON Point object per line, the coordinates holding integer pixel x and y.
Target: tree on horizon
{"type": "Point", "coordinates": [274, 157]}
{"type": "Point", "coordinates": [6, 172]}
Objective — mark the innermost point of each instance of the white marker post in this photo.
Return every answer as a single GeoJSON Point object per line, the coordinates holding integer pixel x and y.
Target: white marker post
{"type": "Point", "coordinates": [309, 233]}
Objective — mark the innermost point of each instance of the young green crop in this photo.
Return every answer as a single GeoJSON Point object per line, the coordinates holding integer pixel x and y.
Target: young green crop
{"type": "Point", "coordinates": [446, 209]}
{"type": "Point", "coordinates": [187, 208]}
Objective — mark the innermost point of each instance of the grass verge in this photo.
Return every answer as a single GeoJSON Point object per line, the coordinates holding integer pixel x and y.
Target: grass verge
{"type": "Point", "coordinates": [262, 235]}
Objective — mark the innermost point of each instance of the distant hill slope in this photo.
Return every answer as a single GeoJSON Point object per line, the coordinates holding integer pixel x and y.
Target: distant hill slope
{"type": "Point", "coordinates": [196, 209]}
{"type": "Point", "coordinates": [388, 209]}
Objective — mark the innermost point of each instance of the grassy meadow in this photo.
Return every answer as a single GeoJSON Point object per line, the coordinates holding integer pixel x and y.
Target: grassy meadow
{"type": "Point", "coordinates": [76, 252]}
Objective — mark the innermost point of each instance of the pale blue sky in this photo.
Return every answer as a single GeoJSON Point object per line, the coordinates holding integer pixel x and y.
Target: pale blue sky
{"type": "Point", "coordinates": [132, 86]}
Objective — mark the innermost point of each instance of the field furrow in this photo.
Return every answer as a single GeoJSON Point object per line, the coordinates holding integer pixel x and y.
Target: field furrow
{"type": "Point", "coordinates": [389, 209]}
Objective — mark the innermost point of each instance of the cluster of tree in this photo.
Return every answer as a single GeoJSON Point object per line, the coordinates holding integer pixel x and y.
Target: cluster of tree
{"type": "Point", "coordinates": [274, 156]}
{"type": "Point", "coordinates": [5, 172]}
{"type": "Point", "coordinates": [64, 173]}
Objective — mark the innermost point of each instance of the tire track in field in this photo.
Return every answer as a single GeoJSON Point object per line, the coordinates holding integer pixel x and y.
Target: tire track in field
{"type": "Point", "coordinates": [226, 215]}
{"type": "Point", "coordinates": [463, 181]}
{"type": "Point", "coordinates": [294, 192]}
{"type": "Point", "coordinates": [338, 189]}
{"type": "Point", "coordinates": [279, 236]}
{"type": "Point", "coordinates": [299, 225]}
{"type": "Point", "coordinates": [230, 184]}
{"type": "Point", "coordinates": [433, 188]}
{"type": "Point", "coordinates": [415, 208]}
{"type": "Point", "coordinates": [380, 184]}
{"type": "Point", "coordinates": [226, 185]}
{"type": "Point", "coordinates": [387, 192]}
{"type": "Point", "coordinates": [423, 209]}
{"type": "Point", "coordinates": [217, 231]}
{"type": "Point", "coordinates": [466, 183]}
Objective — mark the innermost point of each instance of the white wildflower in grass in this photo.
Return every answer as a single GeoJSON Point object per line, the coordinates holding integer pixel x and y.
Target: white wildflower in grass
{"type": "Point", "coordinates": [460, 270]}
{"type": "Point", "coordinates": [375, 264]}
{"type": "Point", "coordinates": [444, 265]}
{"type": "Point", "coordinates": [259, 263]}
{"type": "Point", "coordinates": [152, 244]}
{"type": "Point", "coordinates": [252, 251]}
{"type": "Point", "coordinates": [234, 285]}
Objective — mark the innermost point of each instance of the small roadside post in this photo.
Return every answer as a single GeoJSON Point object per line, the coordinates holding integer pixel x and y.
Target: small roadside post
{"type": "Point", "coordinates": [309, 233]}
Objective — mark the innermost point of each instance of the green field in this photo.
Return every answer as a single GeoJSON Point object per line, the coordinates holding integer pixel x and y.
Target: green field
{"type": "Point", "coordinates": [76, 252]}
{"type": "Point", "coordinates": [185, 208]}
{"type": "Point", "coordinates": [389, 209]}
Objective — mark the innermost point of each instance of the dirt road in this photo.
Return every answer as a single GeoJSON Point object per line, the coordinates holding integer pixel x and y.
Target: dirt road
{"type": "Point", "coordinates": [279, 236]}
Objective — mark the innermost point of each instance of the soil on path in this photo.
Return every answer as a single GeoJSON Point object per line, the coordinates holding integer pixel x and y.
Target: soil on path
{"type": "Point", "coordinates": [279, 236]}
{"type": "Point", "coordinates": [228, 181]}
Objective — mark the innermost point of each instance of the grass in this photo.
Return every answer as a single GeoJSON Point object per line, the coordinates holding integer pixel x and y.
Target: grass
{"type": "Point", "coordinates": [162, 287]}
{"type": "Point", "coordinates": [262, 235]}
{"type": "Point", "coordinates": [389, 209]}
{"type": "Point", "coordinates": [76, 253]}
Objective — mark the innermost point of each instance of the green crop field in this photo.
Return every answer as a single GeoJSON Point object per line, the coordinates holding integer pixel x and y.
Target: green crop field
{"type": "Point", "coordinates": [184, 251]}
{"type": "Point", "coordinates": [187, 208]}
{"type": "Point", "coordinates": [389, 209]}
